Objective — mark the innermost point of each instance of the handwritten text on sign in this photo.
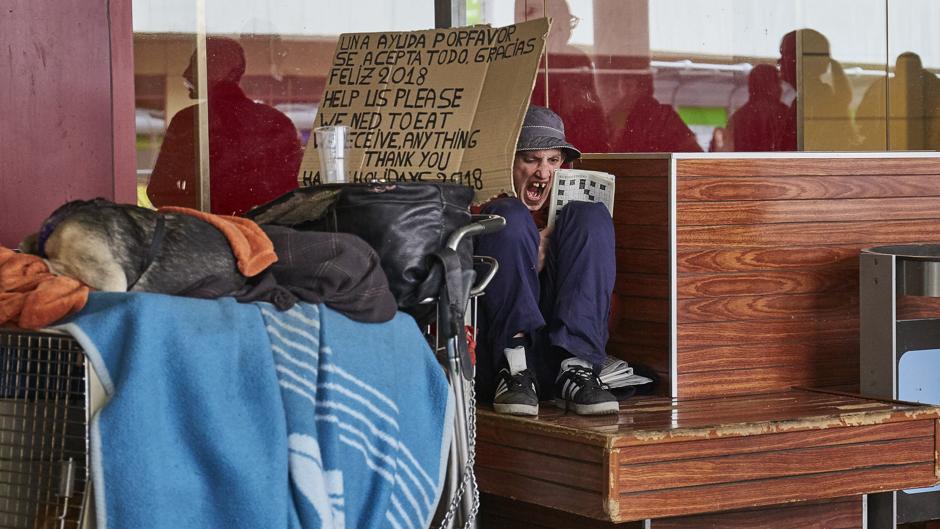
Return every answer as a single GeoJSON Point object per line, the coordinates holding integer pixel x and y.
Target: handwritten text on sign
{"type": "Point", "coordinates": [430, 106]}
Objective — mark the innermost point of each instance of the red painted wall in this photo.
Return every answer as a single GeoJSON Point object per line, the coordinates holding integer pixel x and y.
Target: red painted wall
{"type": "Point", "coordinates": [66, 108]}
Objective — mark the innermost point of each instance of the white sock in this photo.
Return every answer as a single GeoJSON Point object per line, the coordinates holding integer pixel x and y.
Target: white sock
{"type": "Point", "coordinates": [516, 359]}
{"type": "Point", "coordinates": [568, 363]}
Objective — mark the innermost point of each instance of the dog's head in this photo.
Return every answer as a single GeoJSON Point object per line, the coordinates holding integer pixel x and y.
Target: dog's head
{"type": "Point", "coordinates": [120, 247]}
{"type": "Point", "coordinates": [35, 243]}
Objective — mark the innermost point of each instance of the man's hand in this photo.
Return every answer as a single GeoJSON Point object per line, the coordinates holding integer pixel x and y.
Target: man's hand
{"type": "Point", "coordinates": [543, 246]}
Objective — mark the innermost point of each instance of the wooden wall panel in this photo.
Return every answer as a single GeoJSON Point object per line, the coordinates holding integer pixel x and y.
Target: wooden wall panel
{"type": "Point", "coordinates": [859, 165]}
{"type": "Point", "coordinates": [766, 260]}
{"type": "Point", "coordinates": [729, 469]}
{"type": "Point", "coordinates": [767, 263]}
{"type": "Point", "coordinates": [639, 321]}
{"type": "Point", "coordinates": [733, 212]}
{"type": "Point", "coordinates": [736, 496]}
{"type": "Point", "coordinates": [498, 512]}
{"type": "Point", "coordinates": [803, 187]}
{"type": "Point", "coordinates": [843, 513]}
{"type": "Point", "coordinates": [771, 258]}
{"type": "Point", "coordinates": [747, 380]}
{"type": "Point", "coordinates": [859, 233]}
{"type": "Point", "coordinates": [806, 355]}
{"type": "Point", "coordinates": [767, 282]}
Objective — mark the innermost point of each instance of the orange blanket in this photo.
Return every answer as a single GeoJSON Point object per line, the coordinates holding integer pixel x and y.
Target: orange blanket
{"type": "Point", "coordinates": [250, 245]}
{"type": "Point", "coordinates": [32, 297]}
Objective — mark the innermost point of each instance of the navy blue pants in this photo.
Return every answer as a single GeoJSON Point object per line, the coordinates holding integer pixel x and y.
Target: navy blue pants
{"type": "Point", "coordinates": [566, 306]}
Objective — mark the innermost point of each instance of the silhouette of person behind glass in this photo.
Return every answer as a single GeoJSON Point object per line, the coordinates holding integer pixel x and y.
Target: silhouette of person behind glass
{"type": "Point", "coordinates": [827, 123]}
{"type": "Point", "coordinates": [759, 124]}
{"type": "Point", "coordinates": [908, 116]}
{"type": "Point", "coordinates": [254, 150]}
{"type": "Point", "coordinates": [572, 92]}
{"type": "Point", "coordinates": [640, 123]}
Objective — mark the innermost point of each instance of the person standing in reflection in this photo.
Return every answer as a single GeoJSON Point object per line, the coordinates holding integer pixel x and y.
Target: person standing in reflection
{"type": "Point", "coordinates": [907, 117]}
{"type": "Point", "coordinates": [640, 123]}
{"type": "Point", "coordinates": [827, 123]}
{"type": "Point", "coordinates": [572, 91]}
{"type": "Point", "coordinates": [759, 124]}
{"type": "Point", "coordinates": [254, 150]}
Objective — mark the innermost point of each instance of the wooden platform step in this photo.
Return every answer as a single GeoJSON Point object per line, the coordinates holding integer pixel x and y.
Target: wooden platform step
{"type": "Point", "coordinates": [662, 458]}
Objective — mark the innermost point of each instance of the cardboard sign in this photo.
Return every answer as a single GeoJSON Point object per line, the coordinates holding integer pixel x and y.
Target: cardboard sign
{"type": "Point", "coordinates": [431, 106]}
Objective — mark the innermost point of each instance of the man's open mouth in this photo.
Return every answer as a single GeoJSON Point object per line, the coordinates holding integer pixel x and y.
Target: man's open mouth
{"type": "Point", "coordinates": [534, 191]}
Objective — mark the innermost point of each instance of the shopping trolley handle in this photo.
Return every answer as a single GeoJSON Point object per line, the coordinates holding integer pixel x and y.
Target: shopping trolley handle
{"type": "Point", "coordinates": [480, 224]}
{"type": "Point", "coordinates": [490, 265]}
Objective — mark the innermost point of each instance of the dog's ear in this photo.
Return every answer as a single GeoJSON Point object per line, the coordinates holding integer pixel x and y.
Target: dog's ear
{"type": "Point", "coordinates": [30, 244]}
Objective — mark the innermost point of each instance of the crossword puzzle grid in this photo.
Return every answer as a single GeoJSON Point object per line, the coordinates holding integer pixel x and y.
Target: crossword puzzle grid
{"type": "Point", "coordinates": [583, 189]}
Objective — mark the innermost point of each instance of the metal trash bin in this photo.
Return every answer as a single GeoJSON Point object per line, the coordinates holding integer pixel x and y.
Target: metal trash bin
{"type": "Point", "coordinates": [899, 352]}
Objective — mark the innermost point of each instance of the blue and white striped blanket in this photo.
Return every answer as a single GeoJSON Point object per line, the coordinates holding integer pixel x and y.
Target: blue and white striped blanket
{"type": "Point", "coordinates": [232, 415]}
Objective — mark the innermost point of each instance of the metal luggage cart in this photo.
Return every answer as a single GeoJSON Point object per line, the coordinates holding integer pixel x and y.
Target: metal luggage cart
{"type": "Point", "coordinates": [43, 431]}
{"type": "Point", "coordinates": [461, 500]}
{"type": "Point", "coordinates": [48, 394]}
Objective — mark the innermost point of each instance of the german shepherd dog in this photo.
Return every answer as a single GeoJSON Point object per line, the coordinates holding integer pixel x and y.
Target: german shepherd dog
{"type": "Point", "coordinates": [120, 247]}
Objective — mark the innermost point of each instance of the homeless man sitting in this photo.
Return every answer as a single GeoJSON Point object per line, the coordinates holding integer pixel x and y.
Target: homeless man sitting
{"type": "Point", "coordinates": [543, 320]}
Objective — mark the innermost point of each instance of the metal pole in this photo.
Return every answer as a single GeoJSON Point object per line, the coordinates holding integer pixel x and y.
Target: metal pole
{"type": "Point", "coordinates": [450, 13]}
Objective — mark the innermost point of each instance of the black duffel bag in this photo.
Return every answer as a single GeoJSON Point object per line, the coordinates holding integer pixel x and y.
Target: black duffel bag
{"type": "Point", "coordinates": [407, 224]}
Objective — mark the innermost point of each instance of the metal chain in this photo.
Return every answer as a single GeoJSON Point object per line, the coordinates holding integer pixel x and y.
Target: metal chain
{"type": "Point", "coordinates": [469, 477]}
{"type": "Point", "coordinates": [471, 453]}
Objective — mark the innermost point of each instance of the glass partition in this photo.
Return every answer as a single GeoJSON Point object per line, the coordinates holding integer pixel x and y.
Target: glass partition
{"type": "Point", "coordinates": [737, 75]}
{"type": "Point", "coordinates": [230, 88]}
{"type": "Point", "coordinates": [904, 109]}
{"type": "Point", "coordinates": [227, 91]}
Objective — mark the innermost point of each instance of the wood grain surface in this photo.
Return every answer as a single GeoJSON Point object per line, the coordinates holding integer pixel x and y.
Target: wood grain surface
{"type": "Point", "coordinates": [766, 261]}
{"type": "Point", "coordinates": [842, 513]}
{"type": "Point", "coordinates": [729, 496]}
{"type": "Point", "coordinates": [661, 457]}
{"type": "Point", "coordinates": [639, 320]}
{"type": "Point", "coordinates": [854, 166]}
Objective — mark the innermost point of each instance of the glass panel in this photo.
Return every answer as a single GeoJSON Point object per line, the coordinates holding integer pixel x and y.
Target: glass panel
{"type": "Point", "coordinates": [716, 75]}
{"type": "Point", "coordinates": [912, 103]}
{"type": "Point", "coordinates": [265, 64]}
{"type": "Point", "coordinates": [840, 54]}
{"type": "Point", "coordinates": [162, 43]}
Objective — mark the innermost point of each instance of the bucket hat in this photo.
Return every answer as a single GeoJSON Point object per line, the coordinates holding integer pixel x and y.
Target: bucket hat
{"type": "Point", "coordinates": [543, 129]}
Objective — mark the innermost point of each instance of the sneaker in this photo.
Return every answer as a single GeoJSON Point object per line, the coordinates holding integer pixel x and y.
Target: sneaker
{"type": "Point", "coordinates": [577, 388]}
{"type": "Point", "coordinates": [516, 394]}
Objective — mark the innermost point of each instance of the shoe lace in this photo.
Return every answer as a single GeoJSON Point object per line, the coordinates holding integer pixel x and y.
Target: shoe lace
{"type": "Point", "coordinates": [587, 377]}
{"type": "Point", "coordinates": [522, 380]}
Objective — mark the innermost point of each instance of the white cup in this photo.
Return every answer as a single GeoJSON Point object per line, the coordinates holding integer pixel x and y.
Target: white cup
{"type": "Point", "coordinates": [332, 143]}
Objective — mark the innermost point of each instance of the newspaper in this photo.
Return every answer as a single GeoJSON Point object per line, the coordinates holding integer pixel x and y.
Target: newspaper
{"type": "Point", "coordinates": [578, 184]}
{"type": "Point", "coordinates": [616, 374]}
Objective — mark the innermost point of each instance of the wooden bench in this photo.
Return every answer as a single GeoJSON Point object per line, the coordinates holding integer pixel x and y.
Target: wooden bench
{"type": "Point", "coordinates": [737, 282]}
{"type": "Point", "coordinates": [662, 457]}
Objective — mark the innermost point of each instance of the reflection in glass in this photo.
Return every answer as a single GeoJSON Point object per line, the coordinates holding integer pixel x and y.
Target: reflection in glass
{"type": "Point", "coordinates": [569, 74]}
{"type": "Point", "coordinates": [640, 123]}
{"type": "Point", "coordinates": [699, 55]}
{"type": "Point", "coordinates": [287, 48]}
{"type": "Point", "coordinates": [764, 123]}
{"type": "Point", "coordinates": [903, 113]}
{"type": "Point", "coordinates": [254, 150]}
{"type": "Point", "coordinates": [603, 56]}
{"type": "Point", "coordinates": [825, 92]}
